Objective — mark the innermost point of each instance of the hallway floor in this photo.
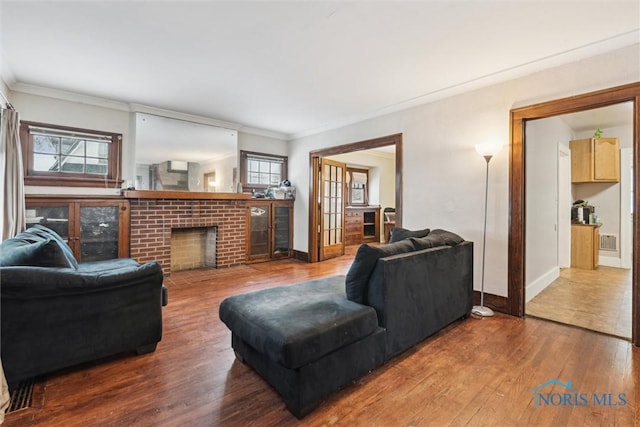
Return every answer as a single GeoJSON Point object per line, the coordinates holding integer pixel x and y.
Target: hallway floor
{"type": "Point", "coordinates": [599, 300]}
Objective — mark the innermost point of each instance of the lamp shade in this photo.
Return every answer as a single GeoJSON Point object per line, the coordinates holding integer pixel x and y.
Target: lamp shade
{"type": "Point", "coordinates": [488, 149]}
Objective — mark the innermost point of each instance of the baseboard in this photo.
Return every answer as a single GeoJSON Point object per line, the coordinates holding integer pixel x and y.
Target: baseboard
{"type": "Point", "coordinates": [302, 256]}
{"type": "Point", "coordinates": [494, 302]}
{"type": "Point", "coordinates": [541, 283]}
{"type": "Point", "coordinates": [609, 261]}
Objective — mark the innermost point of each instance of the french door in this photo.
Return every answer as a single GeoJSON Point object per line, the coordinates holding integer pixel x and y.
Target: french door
{"type": "Point", "coordinates": [331, 208]}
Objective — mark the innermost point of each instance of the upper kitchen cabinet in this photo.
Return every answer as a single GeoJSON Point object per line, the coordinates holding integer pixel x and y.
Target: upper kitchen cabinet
{"type": "Point", "coordinates": [595, 160]}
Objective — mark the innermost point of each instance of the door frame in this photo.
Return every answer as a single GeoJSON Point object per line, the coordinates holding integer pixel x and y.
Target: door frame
{"type": "Point", "coordinates": [314, 156]}
{"type": "Point", "coordinates": [516, 241]}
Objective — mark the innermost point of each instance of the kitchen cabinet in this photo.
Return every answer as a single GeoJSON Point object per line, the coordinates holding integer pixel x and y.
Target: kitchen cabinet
{"type": "Point", "coordinates": [95, 229]}
{"type": "Point", "coordinates": [585, 246]}
{"type": "Point", "coordinates": [595, 160]}
{"type": "Point", "coordinates": [269, 230]}
{"type": "Point", "coordinates": [362, 224]}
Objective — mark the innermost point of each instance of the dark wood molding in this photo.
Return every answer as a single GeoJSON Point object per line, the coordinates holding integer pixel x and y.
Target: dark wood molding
{"type": "Point", "coordinates": [187, 195]}
{"type": "Point", "coordinates": [301, 256]}
{"type": "Point", "coordinates": [315, 155]}
{"type": "Point", "coordinates": [516, 246]}
{"type": "Point", "coordinates": [494, 302]}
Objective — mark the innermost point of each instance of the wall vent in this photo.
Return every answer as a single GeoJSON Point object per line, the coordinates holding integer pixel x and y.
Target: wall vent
{"type": "Point", "coordinates": [608, 242]}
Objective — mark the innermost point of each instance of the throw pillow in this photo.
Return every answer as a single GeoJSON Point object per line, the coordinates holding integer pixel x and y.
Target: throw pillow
{"type": "Point", "coordinates": [427, 242]}
{"type": "Point", "coordinates": [47, 233]}
{"type": "Point", "coordinates": [448, 237]}
{"type": "Point", "coordinates": [364, 263]}
{"type": "Point", "coordinates": [399, 233]}
{"type": "Point", "coordinates": [43, 253]}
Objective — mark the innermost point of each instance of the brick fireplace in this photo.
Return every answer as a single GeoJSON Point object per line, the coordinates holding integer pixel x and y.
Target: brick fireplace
{"type": "Point", "coordinates": [152, 221]}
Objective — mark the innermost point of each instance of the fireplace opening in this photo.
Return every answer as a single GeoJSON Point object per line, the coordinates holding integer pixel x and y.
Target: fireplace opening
{"type": "Point", "coordinates": [193, 248]}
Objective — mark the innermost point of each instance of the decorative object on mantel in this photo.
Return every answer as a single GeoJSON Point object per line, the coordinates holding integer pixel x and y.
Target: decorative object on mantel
{"type": "Point", "coordinates": [487, 151]}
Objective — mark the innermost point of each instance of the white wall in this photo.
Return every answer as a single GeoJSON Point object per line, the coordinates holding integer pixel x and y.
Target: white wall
{"type": "Point", "coordinates": [542, 188]}
{"type": "Point", "coordinates": [443, 176]}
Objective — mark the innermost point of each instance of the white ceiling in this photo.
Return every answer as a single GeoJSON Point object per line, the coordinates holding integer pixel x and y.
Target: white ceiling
{"type": "Point", "coordinates": [297, 67]}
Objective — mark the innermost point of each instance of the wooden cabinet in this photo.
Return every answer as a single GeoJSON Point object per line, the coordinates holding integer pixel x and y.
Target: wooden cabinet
{"type": "Point", "coordinates": [269, 230]}
{"type": "Point", "coordinates": [585, 246]}
{"type": "Point", "coordinates": [362, 224]}
{"type": "Point", "coordinates": [95, 229]}
{"type": "Point", "coordinates": [595, 160]}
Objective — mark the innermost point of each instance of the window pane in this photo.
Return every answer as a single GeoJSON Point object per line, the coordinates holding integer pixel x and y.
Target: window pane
{"type": "Point", "coordinates": [265, 167]}
{"type": "Point", "coordinates": [264, 178]}
{"type": "Point", "coordinates": [254, 178]}
{"type": "Point", "coordinates": [97, 166]}
{"type": "Point", "coordinates": [45, 144]}
{"type": "Point", "coordinates": [254, 166]}
{"type": "Point", "coordinates": [72, 164]}
{"type": "Point", "coordinates": [45, 163]}
{"type": "Point", "coordinates": [276, 168]}
{"type": "Point", "coordinates": [73, 146]}
{"type": "Point", "coordinates": [97, 149]}
{"type": "Point", "coordinates": [275, 180]}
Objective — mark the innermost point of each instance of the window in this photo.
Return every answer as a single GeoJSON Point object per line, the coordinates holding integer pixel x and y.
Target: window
{"type": "Point", "coordinates": [259, 171]}
{"type": "Point", "coordinates": [64, 156]}
{"type": "Point", "coordinates": [357, 186]}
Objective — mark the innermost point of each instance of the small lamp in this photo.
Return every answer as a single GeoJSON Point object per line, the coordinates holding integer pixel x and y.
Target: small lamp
{"type": "Point", "coordinates": [487, 151]}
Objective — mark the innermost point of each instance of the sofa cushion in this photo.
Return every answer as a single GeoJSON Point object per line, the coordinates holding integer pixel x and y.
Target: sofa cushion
{"type": "Point", "coordinates": [32, 252]}
{"type": "Point", "coordinates": [47, 233]}
{"type": "Point", "coordinates": [298, 324]}
{"type": "Point", "coordinates": [399, 233]}
{"type": "Point", "coordinates": [364, 263]}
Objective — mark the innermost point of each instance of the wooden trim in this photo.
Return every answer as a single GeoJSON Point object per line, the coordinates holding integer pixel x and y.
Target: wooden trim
{"type": "Point", "coordinates": [315, 155]}
{"type": "Point", "coordinates": [519, 117]}
{"type": "Point", "coordinates": [301, 256]}
{"type": "Point", "coordinates": [185, 195]}
{"type": "Point", "coordinates": [494, 302]}
{"type": "Point", "coordinates": [113, 179]}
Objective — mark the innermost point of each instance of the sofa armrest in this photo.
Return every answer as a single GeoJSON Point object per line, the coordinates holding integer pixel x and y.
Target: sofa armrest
{"type": "Point", "coordinates": [44, 282]}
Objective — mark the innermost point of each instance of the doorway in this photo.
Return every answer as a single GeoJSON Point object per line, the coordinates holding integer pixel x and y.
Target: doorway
{"type": "Point", "coordinates": [315, 196]}
{"type": "Point", "coordinates": [560, 286]}
{"type": "Point", "coordinates": [517, 205]}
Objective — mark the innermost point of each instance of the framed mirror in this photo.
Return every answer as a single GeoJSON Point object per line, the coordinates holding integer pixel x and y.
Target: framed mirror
{"type": "Point", "coordinates": [180, 155]}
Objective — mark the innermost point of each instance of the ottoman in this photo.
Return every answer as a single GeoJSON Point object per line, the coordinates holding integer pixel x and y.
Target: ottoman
{"type": "Point", "coordinates": [306, 340]}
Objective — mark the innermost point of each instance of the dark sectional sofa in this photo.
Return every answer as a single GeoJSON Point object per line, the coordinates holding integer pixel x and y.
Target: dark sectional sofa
{"type": "Point", "coordinates": [56, 312]}
{"type": "Point", "coordinates": [309, 339]}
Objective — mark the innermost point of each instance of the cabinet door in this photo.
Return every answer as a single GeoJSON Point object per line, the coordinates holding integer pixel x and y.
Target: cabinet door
{"type": "Point", "coordinates": [100, 229]}
{"type": "Point", "coordinates": [282, 230]}
{"type": "Point", "coordinates": [606, 162]}
{"type": "Point", "coordinates": [57, 216]}
{"type": "Point", "coordinates": [258, 235]}
{"type": "Point", "coordinates": [581, 160]}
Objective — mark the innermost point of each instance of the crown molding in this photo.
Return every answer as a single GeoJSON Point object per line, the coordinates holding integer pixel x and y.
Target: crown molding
{"type": "Point", "coordinates": [141, 108]}
{"type": "Point", "coordinates": [69, 96]}
{"type": "Point", "coordinates": [265, 132]}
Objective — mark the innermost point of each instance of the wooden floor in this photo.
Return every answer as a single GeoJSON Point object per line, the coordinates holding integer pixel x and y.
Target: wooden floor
{"type": "Point", "coordinates": [599, 300]}
{"type": "Point", "coordinates": [477, 372]}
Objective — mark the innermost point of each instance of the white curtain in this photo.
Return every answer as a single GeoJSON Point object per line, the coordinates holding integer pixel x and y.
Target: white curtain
{"type": "Point", "coordinates": [12, 216]}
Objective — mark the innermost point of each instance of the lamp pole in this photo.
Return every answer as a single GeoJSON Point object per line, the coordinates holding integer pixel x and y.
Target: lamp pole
{"type": "Point", "coordinates": [487, 151]}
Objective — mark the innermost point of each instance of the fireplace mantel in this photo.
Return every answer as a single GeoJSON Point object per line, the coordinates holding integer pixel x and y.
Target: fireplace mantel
{"type": "Point", "coordinates": [183, 195]}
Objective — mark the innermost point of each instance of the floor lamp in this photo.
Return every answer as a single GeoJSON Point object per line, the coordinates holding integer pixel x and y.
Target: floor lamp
{"type": "Point", "coordinates": [487, 151]}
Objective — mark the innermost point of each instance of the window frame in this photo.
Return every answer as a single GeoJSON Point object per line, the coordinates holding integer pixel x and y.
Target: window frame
{"type": "Point", "coordinates": [349, 178]}
{"type": "Point", "coordinates": [245, 156]}
{"type": "Point", "coordinates": [112, 179]}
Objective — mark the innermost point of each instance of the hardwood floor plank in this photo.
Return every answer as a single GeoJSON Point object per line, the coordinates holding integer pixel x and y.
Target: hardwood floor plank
{"type": "Point", "coordinates": [479, 371]}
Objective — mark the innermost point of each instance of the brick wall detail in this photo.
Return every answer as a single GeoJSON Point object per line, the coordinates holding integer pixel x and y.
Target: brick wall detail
{"type": "Point", "coordinates": [153, 219]}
